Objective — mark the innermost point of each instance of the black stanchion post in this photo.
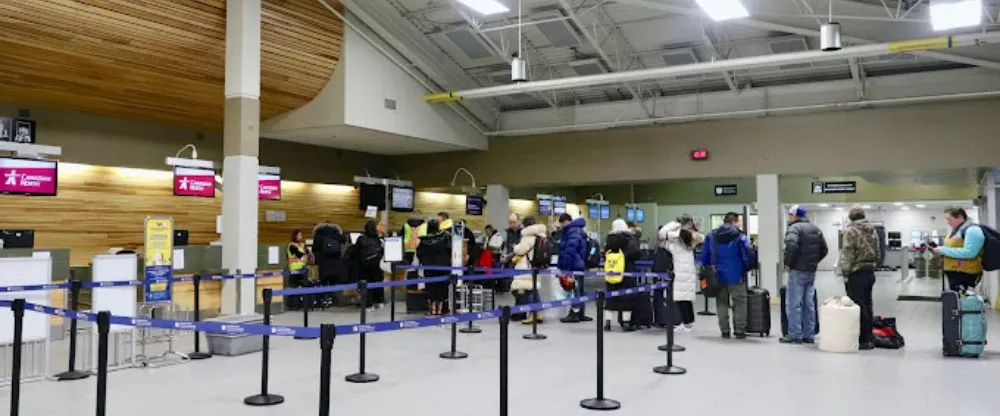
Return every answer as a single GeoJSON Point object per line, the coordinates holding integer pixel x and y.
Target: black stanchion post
{"type": "Point", "coordinates": [706, 312]}
{"type": "Point", "coordinates": [264, 398]}
{"type": "Point", "coordinates": [600, 402]}
{"type": "Point", "coordinates": [327, 334]}
{"type": "Point", "coordinates": [197, 354]}
{"type": "Point", "coordinates": [307, 301]}
{"type": "Point", "coordinates": [470, 328]}
{"type": "Point", "coordinates": [361, 376]}
{"type": "Point", "coordinates": [392, 292]}
{"type": "Point", "coordinates": [103, 327]}
{"type": "Point", "coordinates": [15, 374]}
{"type": "Point", "coordinates": [534, 335]}
{"type": "Point", "coordinates": [74, 304]}
{"type": "Point", "coordinates": [504, 338]}
{"type": "Point", "coordinates": [670, 347]}
{"type": "Point", "coordinates": [453, 353]}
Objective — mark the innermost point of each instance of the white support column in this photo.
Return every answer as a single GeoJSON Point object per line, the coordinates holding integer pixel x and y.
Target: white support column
{"type": "Point", "coordinates": [769, 238]}
{"type": "Point", "coordinates": [992, 192]}
{"type": "Point", "coordinates": [241, 147]}
{"type": "Point", "coordinates": [497, 206]}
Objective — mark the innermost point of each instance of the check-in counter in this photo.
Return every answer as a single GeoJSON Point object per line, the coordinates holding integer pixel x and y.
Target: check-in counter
{"type": "Point", "coordinates": [60, 271]}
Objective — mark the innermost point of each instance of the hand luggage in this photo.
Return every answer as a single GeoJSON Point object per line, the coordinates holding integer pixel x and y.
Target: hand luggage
{"type": "Point", "coordinates": [294, 302]}
{"type": "Point", "coordinates": [963, 324]}
{"type": "Point", "coordinates": [758, 309]}
{"type": "Point", "coordinates": [885, 334]}
{"type": "Point", "coordinates": [784, 313]}
{"type": "Point", "coordinates": [841, 319]}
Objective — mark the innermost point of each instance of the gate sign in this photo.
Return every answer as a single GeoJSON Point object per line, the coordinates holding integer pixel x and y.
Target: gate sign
{"type": "Point", "coordinates": [725, 190]}
{"type": "Point", "coordinates": [836, 187]}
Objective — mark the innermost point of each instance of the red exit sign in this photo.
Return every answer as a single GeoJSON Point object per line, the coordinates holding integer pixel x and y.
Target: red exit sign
{"type": "Point", "coordinates": [699, 154]}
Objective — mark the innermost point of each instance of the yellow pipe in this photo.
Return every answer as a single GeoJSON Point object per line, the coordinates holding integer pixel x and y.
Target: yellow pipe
{"type": "Point", "coordinates": [442, 97]}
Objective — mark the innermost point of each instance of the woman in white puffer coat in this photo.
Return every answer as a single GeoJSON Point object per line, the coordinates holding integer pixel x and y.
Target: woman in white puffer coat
{"type": "Point", "coordinates": [679, 237]}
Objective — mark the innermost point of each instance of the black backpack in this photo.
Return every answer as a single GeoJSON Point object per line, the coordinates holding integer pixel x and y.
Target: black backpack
{"type": "Point", "coordinates": [541, 255]}
{"type": "Point", "coordinates": [331, 245]}
{"type": "Point", "coordinates": [593, 258]}
{"type": "Point", "coordinates": [991, 247]}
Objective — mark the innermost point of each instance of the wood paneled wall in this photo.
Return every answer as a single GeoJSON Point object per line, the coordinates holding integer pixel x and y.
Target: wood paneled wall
{"type": "Point", "coordinates": [102, 207]}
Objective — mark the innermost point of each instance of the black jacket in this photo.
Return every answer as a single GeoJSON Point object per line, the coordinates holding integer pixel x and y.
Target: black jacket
{"type": "Point", "coordinates": [629, 246]}
{"type": "Point", "coordinates": [435, 250]}
{"type": "Point", "coordinates": [805, 246]}
{"type": "Point", "coordinates": [328, 243]}
{"type": "Point", "coordinates": [368, 247]}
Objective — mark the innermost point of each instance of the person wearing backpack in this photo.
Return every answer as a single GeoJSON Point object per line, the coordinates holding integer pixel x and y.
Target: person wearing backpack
{"type": "Point", "coordinates": [622, 251]}
{"type": "Point", "coordinates": [367, 257]}
{"type": "Point", "coordinates": [435, 250]}
{"type": "Point", "coordinates": [962, 251]}
{"type": "Point", "coordinates": [572, 258]}
{"type": "Point", "coordinates": [328, 243]}
{"type": "Point", "coordinates": [533, 239]}
{"type": "Point", "coordinates": [729, 251]}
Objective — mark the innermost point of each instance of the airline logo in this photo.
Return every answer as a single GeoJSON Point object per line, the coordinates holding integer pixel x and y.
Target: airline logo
{"type": "Point", "coordinates": [282, 331]}
{"type": "Point", "coordinates": [28, 176]}
{"type": "Point", "coordinates": [268, 187]}
{"type": "Point", "coordinates": [409, 324]}
{"type": "Point", "coordinates": [186, 326]}
{"type": "Point", "coordinates": [194, 182]}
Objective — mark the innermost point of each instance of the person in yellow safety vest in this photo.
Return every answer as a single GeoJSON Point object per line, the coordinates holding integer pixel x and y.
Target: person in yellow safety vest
{"type": "Point", "coordinates": [962, 251]}
{"type": "Point", "coordinates": [414, 228]}
{"type": "Point", "coordinates": [298, 255]}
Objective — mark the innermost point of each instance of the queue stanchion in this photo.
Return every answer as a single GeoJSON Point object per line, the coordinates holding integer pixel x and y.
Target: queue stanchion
{"type": "Point", "coordinates": [265, 398]}
{"type": "Point", "coordinates": [71, 372]}
{"type": "Point", "coordinates": [361, 376]}
{"type": "Point", "coordinates": [534, 335]}
{"type": "Point", "coordinates": [17, 307]}
{"type": "Point", "coordinates": [103, 327]}
{"type": "Point", "coordinates": [307, 301]}
{"type": "Point", "coordinates": [705, 312]}
{"type": "Point", "coordinates": [670, 347]}
{"type": "Point", "coordinates": [470, 328]}
{"type": "Point", "coordinates": [504, 340]}
{"type": "Point", "coordinates": [600, 402]}
{"type": "Point", "coordinates": [453, 353]}
{"type": "Point", "coordinates": [197, 354]}
{"type": "Point", "coordinates": [392, 292]}
{"type": "Point", "coordinates": [327, 334]}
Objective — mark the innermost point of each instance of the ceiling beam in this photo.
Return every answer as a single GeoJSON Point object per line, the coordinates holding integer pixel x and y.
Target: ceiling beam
{"type": "Point", "coordinates": [636, 95]}
{"type": "Point", "coordinates": [706, 37]}
{"type": "Point", "coordinates": [670, 8]}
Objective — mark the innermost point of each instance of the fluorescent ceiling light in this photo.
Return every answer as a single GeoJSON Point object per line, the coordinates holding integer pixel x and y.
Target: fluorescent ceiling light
{"type": "Point", "coordinates": [839, 208]}
{"type": "Point", "coordinates": [947, 14]}
{"type": "Point", "coordinates": [485, 7]}
{"type": "Point", "coordinates": [904, 208]}
{"type": "Point", "coordinates": [921, 206]}
{"type": "Point", "coordinates": [898, 204]}
{"type": "Point", "coordinates": [824, 205]}
{"type": "Point", "coordinates": [720, 10]}
{"type": "Point", "coordinates": [866, 207]}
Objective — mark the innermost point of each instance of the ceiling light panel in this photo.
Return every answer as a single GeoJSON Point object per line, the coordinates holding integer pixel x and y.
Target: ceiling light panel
{"type": "Point", "coordinates": [468, 43]}
{"type": "Point", "coordinates": [485, 7]}
{"type": "Point", "coordinates": [719, 10]}
{"type": "Point", "coordinates": [950, 14]}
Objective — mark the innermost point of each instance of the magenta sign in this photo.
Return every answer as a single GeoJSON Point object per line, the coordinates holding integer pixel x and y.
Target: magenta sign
{"type": "Point", "coordinates": [28, 176]}
{"type": "Point", "coordinates": [194, 182]}
{"type": "Point", "coordinates": [268, 187]}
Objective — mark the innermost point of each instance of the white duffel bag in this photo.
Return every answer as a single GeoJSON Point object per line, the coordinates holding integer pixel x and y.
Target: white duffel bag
{"type": "Point", "coordinates": [840, 325]}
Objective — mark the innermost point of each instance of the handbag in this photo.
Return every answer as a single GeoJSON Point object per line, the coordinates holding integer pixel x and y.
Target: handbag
{"type": "Point", "coordinates": [709, 278]}
{"type": "Point", "coordinates": [567, 282]}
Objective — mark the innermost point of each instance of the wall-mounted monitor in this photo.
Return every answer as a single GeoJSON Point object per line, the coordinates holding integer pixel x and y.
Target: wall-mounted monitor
{"type": "Point", "coordinates": [17, 238]}
{"type": "Point", "coordinates": [268, 187]}
{"type": "Point", "coordinates": [605, 212]}
{"type": "Point", "coordinates": [473, 205]}
{"type": "Point", "coordinates": [630, 214]}
{"type": "Point", "coordinates": [198, 182]}
{"type": "Point", "coordinates": [371, 196]}
{"type": "Point", "coordinates": [544, 207]}
{"type": "Point", "coordinates": [28, 176]}
{"type": "Point", "coordinates": [180, 238]}
{"type": "Point", "coordinates": [558, 205]}
{"type": "Point", "coordinates": [593, 211]}
{"type": "Point", "coordinates": [401, 199]}
{"type": "Point", "coordinates": [640, 215]}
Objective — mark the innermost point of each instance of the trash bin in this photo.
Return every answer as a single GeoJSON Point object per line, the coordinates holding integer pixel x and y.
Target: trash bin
{"type": "Point", "coordinates": [236, 344]}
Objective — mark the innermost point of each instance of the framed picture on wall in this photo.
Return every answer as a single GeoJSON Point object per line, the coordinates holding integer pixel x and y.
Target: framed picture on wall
{"type": "Point", "coordinates": [6, 129]}
{"type": "Point", "coordinates": [24, 131]}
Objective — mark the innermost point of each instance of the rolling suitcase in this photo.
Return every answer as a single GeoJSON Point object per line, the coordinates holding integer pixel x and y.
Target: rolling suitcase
{"type": "Point", "coordinates": [963, 324]}
{"type": "Point", "coordinates": [758, 309]}
{"type": "Point", "coordinates": [784, 314]}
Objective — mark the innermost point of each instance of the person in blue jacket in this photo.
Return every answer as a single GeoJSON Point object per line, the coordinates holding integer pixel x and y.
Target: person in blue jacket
{"type": "Point", "coordinates": [730, 252]}
{"type": "Point", "coordinates": [572, 257]}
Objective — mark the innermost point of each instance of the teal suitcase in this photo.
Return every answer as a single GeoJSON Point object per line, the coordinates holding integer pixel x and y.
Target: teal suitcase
{"type": "Point", "coordinates": [963, 324]}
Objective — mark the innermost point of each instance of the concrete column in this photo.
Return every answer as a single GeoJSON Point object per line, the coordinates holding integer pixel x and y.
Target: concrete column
{"type": "Point", "coordinates": [241, 147]}
{"type": "Point", "coordinates": [769, 236]}
{"type": "Point", "coordinates": [497, 206]}
{"type": "Point", "coordinates": [990, 189]}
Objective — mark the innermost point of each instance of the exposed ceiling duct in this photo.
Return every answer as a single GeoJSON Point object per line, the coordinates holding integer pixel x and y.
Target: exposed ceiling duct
{"type": "Point", "coordinates": [753, 62]}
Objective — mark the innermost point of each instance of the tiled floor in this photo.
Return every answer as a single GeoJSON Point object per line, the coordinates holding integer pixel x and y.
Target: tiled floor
{"type": "Point", "coordinates": [752, 377]}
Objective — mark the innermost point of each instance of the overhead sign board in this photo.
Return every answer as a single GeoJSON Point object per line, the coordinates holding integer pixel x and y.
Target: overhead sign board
{"type": "Point", "coordinates": [725, 190]}
{"type": "Point", "coordinates": [836, 187]}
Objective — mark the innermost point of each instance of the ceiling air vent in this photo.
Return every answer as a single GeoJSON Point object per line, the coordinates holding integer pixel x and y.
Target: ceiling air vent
{"type": "Point", "coordinates": [469, 43]}
{"type": "Point", "coordinates": [585, 67]}
{"type": "Point", "coordinates": [790, 46]}
{"type": "Point", "coordinates": [500, 77]}
{"type": "Point", "coordinates": [557, 32]}
{"type": "Point", "coordinates": [676, 57]}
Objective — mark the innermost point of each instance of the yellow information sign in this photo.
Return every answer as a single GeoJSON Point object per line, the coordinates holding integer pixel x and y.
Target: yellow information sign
{"type": "Point", "coordinates": [158, 258]}
{"type": "Point", "coordinates": [920, 45]}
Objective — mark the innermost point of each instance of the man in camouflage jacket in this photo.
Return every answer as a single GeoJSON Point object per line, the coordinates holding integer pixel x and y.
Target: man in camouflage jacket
{"type": "Point", "coordinates": [857, 262]}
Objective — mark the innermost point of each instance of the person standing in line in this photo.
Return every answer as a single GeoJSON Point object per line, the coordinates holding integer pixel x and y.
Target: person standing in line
{"type": "Point", "coordinates": [367, 257]}
{"type": "Point", "coordinates": [512, 236]}
{"type": "Point", "coordinates": [328, 244]}
{"type": "Point", "coordinates": [858, 258]}
{"type": "Point", "coordinates": [805, 247]}
{"type": "Point", "coordinates": [572, 258]}
{"type": "Point", "coordinates": [522, 256]}
{"type": "Point", "coordinates": [962, 251]}
{"type": "Point", "coordinates": [435, 250]}
{"type": "Point", "coordinates": [634, 308]}
{"type": "Point", "coordinates": [733, 256]}
{"type": "Point", "coordinates": [678, 237]}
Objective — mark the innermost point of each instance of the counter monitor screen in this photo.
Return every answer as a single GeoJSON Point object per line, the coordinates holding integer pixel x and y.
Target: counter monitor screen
{"type": "Point", "coordinates": [473, 205]}
{"type": "Point", "coordinates": [402, 199]}
{"type": "Point", "coordinates": [558, 205]}
{"type": "Point", "coordinates": [630, 214]}
{"type": "Point", "coordinates": [593, 211]}
{"type": "Point", "coordinates": [180, 238]}
{"type": "Point", "coordinates": [268, 187]}
{"type": "Point", "coordinates": [640, 215]}
{"type": "Point", "coordinates": [371, 196]}
{"type": "Point", "coordinates": [605, 212]}
{"type": "Point", "coordinates": [544, 207]}
{"type": "Point", "coordinates": [194, 182]}
{"type": "Point", "coordinates": [17, 238]}
{"type": "Point", "coordinates": [28, 176]}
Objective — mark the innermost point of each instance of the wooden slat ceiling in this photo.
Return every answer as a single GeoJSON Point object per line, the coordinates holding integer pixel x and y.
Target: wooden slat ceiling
{"type": "Point", "coordinates": [158, 60]}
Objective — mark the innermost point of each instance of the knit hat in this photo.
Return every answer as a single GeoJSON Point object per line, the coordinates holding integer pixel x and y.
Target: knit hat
{"type": "Point", "coordinates": [797, 210]}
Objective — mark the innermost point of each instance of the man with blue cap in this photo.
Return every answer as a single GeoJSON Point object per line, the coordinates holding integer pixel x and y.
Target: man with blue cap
{"type": "Point", "coordinates": [805, 247]}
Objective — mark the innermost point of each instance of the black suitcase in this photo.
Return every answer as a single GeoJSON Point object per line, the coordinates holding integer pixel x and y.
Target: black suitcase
{"type": "Point", "coordinates": [294, 302]}
{"type": "Point", "coordinates": [758, 309]}
{"type": "Point", "coordinates": [784, 313]}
